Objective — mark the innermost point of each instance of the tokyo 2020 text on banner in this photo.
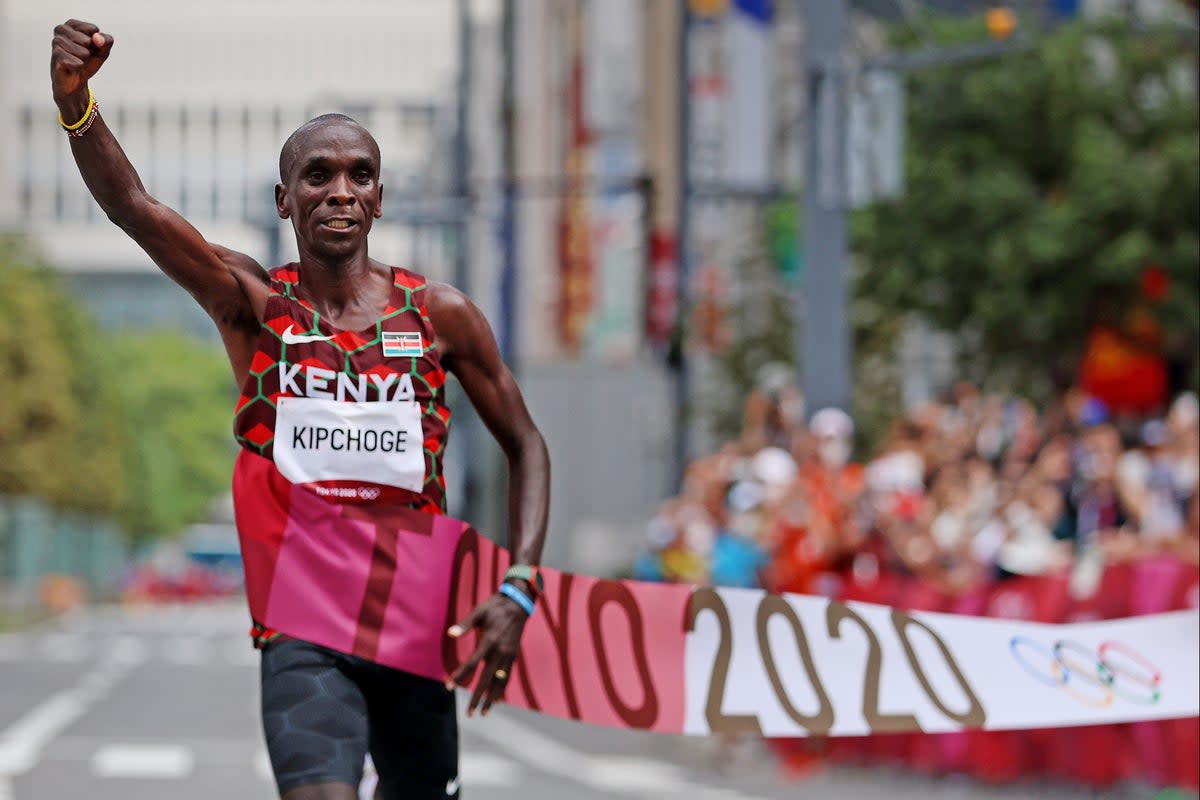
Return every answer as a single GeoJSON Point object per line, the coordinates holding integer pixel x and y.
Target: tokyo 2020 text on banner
{"type": "Point", "coordinates": [696, 660]}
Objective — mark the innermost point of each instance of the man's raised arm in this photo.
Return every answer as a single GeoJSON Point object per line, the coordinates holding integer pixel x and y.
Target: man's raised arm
{"type": "Point", "coordinates": [229, 285]}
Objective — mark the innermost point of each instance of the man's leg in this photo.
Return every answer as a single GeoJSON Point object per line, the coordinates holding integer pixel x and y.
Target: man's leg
{"type": "Point", "coordinates": [322, 791]}
{"type": "Point", "coordinates": [414, 734]}
{"type": "Point", "coordinates": [315, 722]}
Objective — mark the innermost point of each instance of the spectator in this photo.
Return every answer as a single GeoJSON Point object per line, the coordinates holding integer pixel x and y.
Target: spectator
{"type": "Point", "coordinates": [816, 522]}
{"type": "Point", "coordinates": [1148, 479]}
{"type": "Point", "coordinates": [964, 490]}
{"type": "Point", "coordinates": [1029, 546]}
{"type": "Point", "coordinates": [1093, 505]}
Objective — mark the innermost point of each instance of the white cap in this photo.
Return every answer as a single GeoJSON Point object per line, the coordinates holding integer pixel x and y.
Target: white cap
{"type": "Point", "coordinates": [773, 466]}
{"type": "Point", "coordinates": [1186, 409]}
{"type": "Point", "coordinates": [832, 422]}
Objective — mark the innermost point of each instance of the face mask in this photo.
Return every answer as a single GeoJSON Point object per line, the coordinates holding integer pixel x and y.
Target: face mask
{"type": "Point", "coordinates": [834, 452]}
{"type": "Point", "coordinates": [699, 537]}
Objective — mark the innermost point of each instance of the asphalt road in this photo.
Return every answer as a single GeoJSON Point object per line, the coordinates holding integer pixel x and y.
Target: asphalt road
{"type": "Point", "coordinates": [144, 704]}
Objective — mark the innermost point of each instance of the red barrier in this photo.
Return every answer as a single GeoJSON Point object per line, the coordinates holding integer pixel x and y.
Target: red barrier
{"type": "Point", "coordinates": [1162, 584]}
{"type": "Point", "coordinates": [954, 748]}
{"type": "Point", "coordinates": [922, 752]}
{"type": "Point", "coordinates": [1071, 753]}
{"type": "Point", "coordinates": [883, 588]}
{"type": "Point", "coordinates": [1183, 735]}
{"type": "Point", "coordinates": [1165, 753]}
{"type": "Point", "coordinates": [1005, 756]}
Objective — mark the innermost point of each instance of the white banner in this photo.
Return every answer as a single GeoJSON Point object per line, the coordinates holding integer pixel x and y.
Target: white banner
{"type": "Point", "coordinates": [796, 666]}
{"type": "Point", "coordinates": [676, 658]}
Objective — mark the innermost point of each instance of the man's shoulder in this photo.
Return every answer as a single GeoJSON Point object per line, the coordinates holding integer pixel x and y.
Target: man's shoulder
{"type": "Point", "coordinates": [411, 279]}
{"type": "Point", "coordinates": [461, 326]}
{"type": "Point", "coordinates": [442, 298]}
{"type": "Point", "coordinates": [284, 273]}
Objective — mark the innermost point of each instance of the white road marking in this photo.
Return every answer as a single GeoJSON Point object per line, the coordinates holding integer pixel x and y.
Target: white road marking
{"type": "Point", "coordinates": [143, 761]}
{"type": "Point", "coordinates": [65, 648]}
{"type": "Point", "coordinates": [549, 755]}
{"type": "Point", "coordinates": [484, 769]}
{"type": "Point", "coordinates": [13, 647]}
{"type": "Point", "coordinates": [221, 752]}
{"type": "Point", "coordinates": [262, 766]}
{"type": "Point", "coordinates": [129, 650]}
{"type": "Point", "coordinates": [621, 774]}
{"type": "Point", "coordinates": [187, 650]}
{"type": "Point", "coordinates": [640, 777]}
{"type": "Point", "coordinates": [527, 745]}
{"type": "Point", "coordinates": [22, 742]}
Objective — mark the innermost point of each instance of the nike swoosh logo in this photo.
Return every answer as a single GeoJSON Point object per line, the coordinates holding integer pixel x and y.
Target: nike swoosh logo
{"type": "Point", "coordinates": [452, 787]}
{"type": "Point", "coordinates": [301, 338]}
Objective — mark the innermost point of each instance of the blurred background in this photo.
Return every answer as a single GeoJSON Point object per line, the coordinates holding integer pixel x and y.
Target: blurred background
{"type": "Point", "coordinates": [891, 300]}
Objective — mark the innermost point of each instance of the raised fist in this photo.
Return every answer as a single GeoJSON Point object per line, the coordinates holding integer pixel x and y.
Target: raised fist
{"type": "Point", "coordinates": [76, 54]}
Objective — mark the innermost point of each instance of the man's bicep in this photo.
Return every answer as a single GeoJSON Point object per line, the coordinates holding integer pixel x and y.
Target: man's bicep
{"type": "Point", "coordinates": [186, 257]}
{"type": "Point", "coordinates": [488, 382]}
{"type": "Point", "coordinates": [502, 408]}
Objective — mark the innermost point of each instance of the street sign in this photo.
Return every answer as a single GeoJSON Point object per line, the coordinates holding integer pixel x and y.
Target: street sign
{"type": "Point", "coordinates": [875, 147]}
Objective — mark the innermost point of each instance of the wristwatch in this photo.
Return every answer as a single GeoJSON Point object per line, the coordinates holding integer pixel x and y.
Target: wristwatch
{"type": "Point", "coordinates": [528, 573]}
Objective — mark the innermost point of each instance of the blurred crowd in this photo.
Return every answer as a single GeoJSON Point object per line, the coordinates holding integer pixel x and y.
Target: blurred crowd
{"type": "Point", "coordinates": [969, 489]}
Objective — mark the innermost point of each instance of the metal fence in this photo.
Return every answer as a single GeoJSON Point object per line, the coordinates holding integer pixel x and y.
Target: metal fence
{"type": "Point", "coordinates": [37, 541]}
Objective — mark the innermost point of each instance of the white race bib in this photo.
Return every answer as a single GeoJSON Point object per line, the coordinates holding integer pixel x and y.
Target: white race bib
{"type": "Point", "coordinates": [330, 440]}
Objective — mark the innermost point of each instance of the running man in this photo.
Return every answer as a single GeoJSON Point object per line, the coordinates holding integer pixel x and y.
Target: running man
{"type": "Point", "coordinates": [342, 418]}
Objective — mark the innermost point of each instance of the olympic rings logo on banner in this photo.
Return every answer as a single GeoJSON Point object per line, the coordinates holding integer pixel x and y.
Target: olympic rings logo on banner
{"type": "Point", "coordinates": [1115, 669]}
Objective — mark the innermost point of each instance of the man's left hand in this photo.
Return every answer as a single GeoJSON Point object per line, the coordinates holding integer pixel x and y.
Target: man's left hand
{"type": "Point", "coordinates": [500, 622]}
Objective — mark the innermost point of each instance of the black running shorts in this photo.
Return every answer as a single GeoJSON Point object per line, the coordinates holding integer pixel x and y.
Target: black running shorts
{"type": "Point", "coordinates": [323, 711]}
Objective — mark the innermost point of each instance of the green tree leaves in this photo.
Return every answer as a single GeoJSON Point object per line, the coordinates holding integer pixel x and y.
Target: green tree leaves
{"type": "Point", "coordinates": [43, 407]}
{"type": "Point", "coordinates": [1035, 181]}
{"type": "Point", "coordinates": [132, 427]}
{"type": "Point", "coordinates": [178, 400]}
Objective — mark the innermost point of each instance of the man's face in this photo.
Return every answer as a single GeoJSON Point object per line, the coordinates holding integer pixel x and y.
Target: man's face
{"type": "Point", "coordinates": [332, 192]}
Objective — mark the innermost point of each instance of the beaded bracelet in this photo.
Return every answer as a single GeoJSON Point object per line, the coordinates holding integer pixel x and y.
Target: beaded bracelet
{"type": "Point", "coordinates": [89, 118]}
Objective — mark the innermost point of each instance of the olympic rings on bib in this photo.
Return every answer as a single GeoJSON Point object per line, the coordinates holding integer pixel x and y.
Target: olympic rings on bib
{"type": "Point", "coordinates": [1112, 667]}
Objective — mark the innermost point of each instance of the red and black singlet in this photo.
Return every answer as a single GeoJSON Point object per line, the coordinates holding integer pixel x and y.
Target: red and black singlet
{"type": "Point", "coordinates": [355, 418]}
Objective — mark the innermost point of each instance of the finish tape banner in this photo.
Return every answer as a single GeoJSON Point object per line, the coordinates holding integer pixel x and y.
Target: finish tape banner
{"type": "Point", "coordinates": [695, 660]}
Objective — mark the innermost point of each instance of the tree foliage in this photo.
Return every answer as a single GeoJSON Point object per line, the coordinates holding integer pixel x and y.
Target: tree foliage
{"type": "Point", "coordinates": [1035, 182]}
{"type": "Point", "coordinates": [60, 426]}
{"type": "Point", "coordinates": [132, 427]}
{"type": "Point", "coordinates": [177, 398]}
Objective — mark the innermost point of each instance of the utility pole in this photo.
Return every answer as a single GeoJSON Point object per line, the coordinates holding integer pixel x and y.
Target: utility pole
{"type": "Point", "coordinates": [10, 119]}
{"type": "Point", "coordinates": [468, 428]}
{"type": "Point", "coordinates": [683, 235]}
{"type": "Point", "coordinates": [462, 152]}
{"type": "Point", "coordinates": [508, 224]}
{"type": "Point", "coordinates": [822, 298]}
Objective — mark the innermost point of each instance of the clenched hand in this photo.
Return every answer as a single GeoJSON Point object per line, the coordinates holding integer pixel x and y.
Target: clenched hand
{"type": "Point", "coordinates": [77, 52]}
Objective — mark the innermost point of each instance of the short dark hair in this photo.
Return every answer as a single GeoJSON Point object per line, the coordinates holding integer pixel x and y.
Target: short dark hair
{"type": "Point", "coordinates": [291, 147]}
